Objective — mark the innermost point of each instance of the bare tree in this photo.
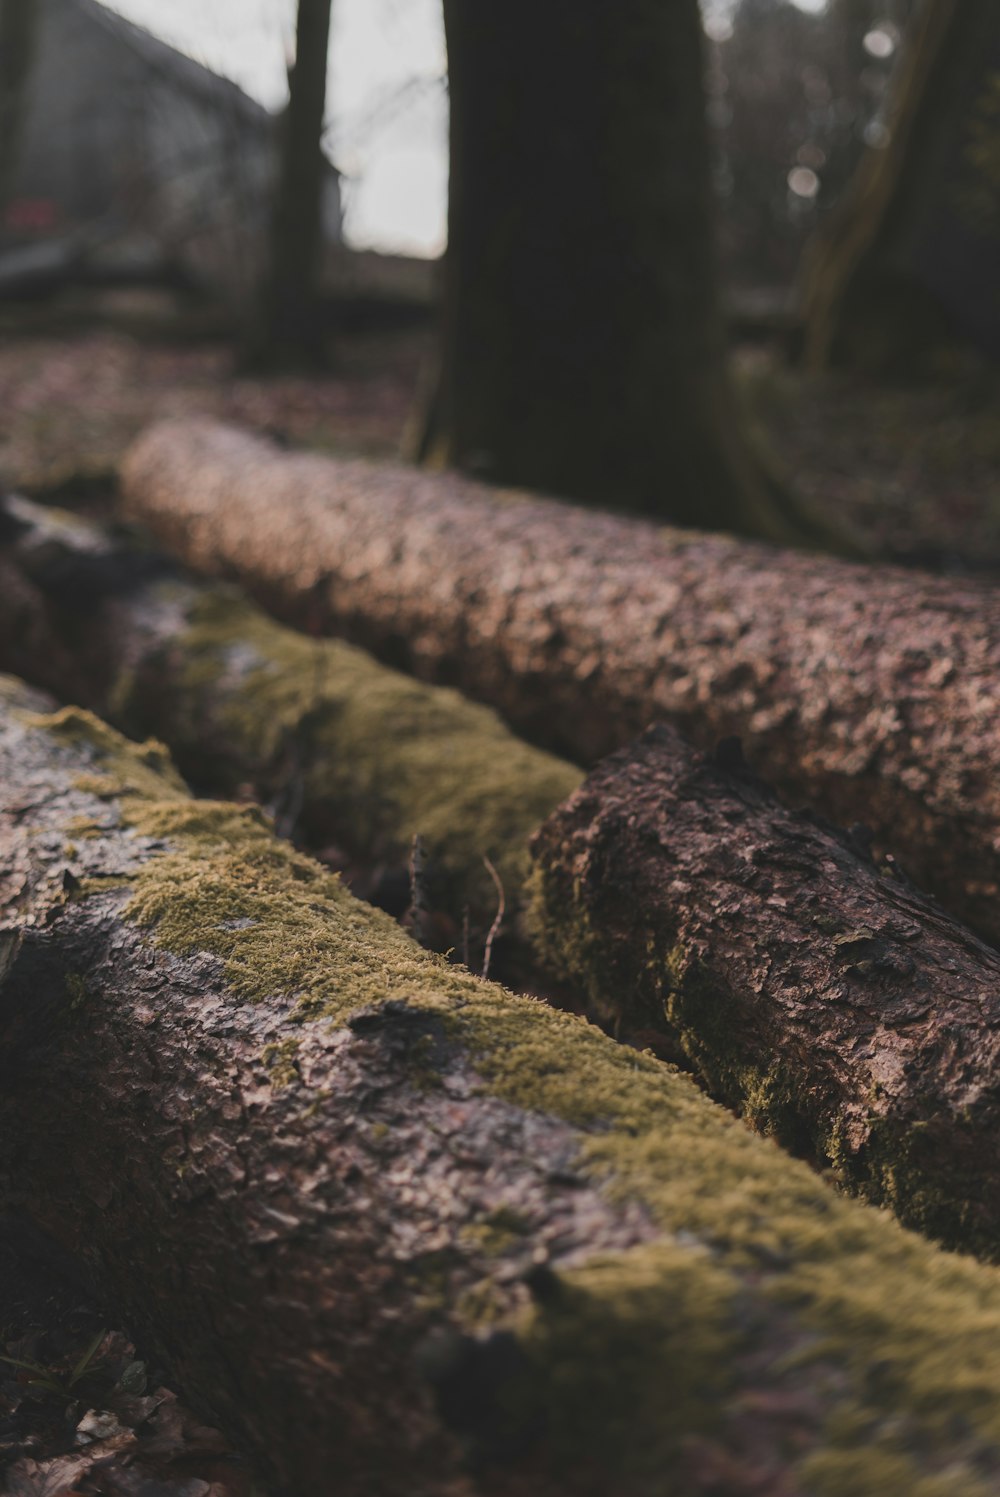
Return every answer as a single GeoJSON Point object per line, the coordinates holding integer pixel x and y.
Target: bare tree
{"type": "Point", "coordinates": [287, 330]}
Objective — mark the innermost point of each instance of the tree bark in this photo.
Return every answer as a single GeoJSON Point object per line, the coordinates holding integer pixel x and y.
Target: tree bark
{"type": "Point", "coordinates": [348, 753]}
{"type": "Point", "coordinates": [909, 259]}
{"type": "Point", "coordinates": [835, 1006]}
{"type": "Point", "coordinates": [289, 328]}
{"type": "Point", "coordinates": [18, 30]}
{"type": "Point", "coordinates": [392, 1222]}
{"type": "Point", "coordinates": [582, 346]}
{"type": "Point", "coordinates": [869, 693]}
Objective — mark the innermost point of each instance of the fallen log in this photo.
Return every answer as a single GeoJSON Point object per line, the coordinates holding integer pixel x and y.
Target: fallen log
{"type": "Point", "coordinates": [635, 897]}
{"type": "Point", "coordinates": [835, 1006]}
{"type": "Point", "coordinates": [347, 751]}
{"type": "Point", "coordinates": [872, 694]}
{"type": "Point", "coordinates": [390, 1222]}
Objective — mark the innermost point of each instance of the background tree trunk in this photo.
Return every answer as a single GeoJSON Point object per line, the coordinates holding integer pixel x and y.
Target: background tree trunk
{"type": "Point", "coordinates": [837, 1008]}
{"type": "Point", "coordinates": [18, 27]}
{"type": "Point", "coordinates": [582, 348]}
{"type": "Point", "coordinates": [396, 1224]}
{"type": "Point", "coordinates": [909, 259]}
{"type": "Point", "coordinates": [871, 693]}
{"type": "Point", "coordinates": [289, 330]}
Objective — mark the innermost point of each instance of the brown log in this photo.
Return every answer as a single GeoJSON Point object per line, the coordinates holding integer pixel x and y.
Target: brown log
{"type": "Point", "coordinates": [835, 1006]}
{"type": "Point", "coordinates": [347, 751]}
{"type": "Point", "coordinates": [873, 694]}
{"type": "Point", "coordinates": [405, 1232]}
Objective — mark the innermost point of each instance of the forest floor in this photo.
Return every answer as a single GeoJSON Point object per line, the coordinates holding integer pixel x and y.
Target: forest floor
{"type": "Point", "coordinates": [911, 468]}
{"type": "Point", "coordinates": [81, 1413]}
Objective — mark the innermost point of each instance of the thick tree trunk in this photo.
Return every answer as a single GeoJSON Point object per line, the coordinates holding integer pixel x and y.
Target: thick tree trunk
{"type": "Point", "coordinates": [392, 1223]}
{"type": "Point", "coordinates": [836, 1007]}
{"type": "Point", "coordinates": [909, 260]}
{"type": "Point", "coordinates": [346, 751]}
{"type": "Point", "coordinates": [288, 332]}
{"type": "Point", "coordinates": [870, 693]}
{"type": "Point", "coordinates": [582, 348]}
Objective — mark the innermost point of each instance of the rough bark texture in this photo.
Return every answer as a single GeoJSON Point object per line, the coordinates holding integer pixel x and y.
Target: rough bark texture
{"type": "Point", "coordinates": [835, 1006]}
{"type": "Point", "coordinates": [395, 1224]}
{"type": "Point", "coordinates": [909, 259]}
{"type": "Point", "coordinates": [348, 753]}
{"type": "Point", "coordinates": [870, 693]}
{"type": "Point", "coordinates": [582, 348]}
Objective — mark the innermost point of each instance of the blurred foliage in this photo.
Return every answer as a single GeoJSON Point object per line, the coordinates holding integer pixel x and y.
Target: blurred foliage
{"type": "Point", "coordinates": [794, 96]}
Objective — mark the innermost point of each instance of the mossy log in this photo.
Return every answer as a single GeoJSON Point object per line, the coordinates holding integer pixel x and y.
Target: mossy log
{"type": "Point", "coordinates": [349, 752]}
{"type": "Point", "coordinates": [872, 694]}
{"type": "Point", "coordinates": [404, 1231]}
{"type": "Point", "coordinates": [839, 1009]}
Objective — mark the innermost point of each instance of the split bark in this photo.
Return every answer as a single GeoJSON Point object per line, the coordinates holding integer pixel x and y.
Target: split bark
{"type": "Point", "coordinates": [869, 693]}
{"type": "Point", "coordinates": [347, 752]}
{"type": "Point", "coordinates": [835, 1006]}
{"type": "Point", "coordinates": [389, 1221]}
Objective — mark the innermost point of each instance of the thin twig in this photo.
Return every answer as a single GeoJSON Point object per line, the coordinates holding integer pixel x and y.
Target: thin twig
{"type": "Point", "coordinates": [465, 936]}
{"type": "Point", "coordinates": [498, 920]}
{"type": "Point", "coordinates": [417, 914]}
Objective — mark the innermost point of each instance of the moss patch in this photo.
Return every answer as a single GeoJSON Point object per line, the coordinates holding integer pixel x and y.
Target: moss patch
{"type": "Point", "coordinates": [381, 756]}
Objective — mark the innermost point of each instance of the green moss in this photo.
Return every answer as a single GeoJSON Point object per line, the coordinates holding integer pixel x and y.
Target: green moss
{"type": "Point", "coordinates": [381, 756]}
{"type": "Point", "coordinates": [883, 1473]}
{"type": "Point", "coordinates": [84, 828]}
{"type": "Point", "coordinates": [498, 1231]}
{"type": "Point", "coordinates": [649, 1338]}
{"type": "Point", "coordinates": [281, 1061]}
{"type": "Point", "coordinates": [76, 989]}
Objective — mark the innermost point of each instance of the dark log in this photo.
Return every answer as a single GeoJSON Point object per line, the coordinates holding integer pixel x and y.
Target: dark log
{"type": "Point", "coordinates": [349, 753]}
{"type": "Point", "coordinates": [405, 1232]}
{"type": "Point", "coordinates": [835, 1006]}
{"type": "Point", "coordinates": [872, 694]}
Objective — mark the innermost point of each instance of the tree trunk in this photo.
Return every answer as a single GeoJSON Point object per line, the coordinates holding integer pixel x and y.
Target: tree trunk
{"type": "Point", "coordinates": [346, 751]}
{"type": "Point", "coordinates": [18, 27]}
{"type": "Point", "coordinates": [393, 1223]}
{"type": "Point", "coordinates": [909, 260]}
{"type": "Point", "coordinates": [835, 1006]}
{"type": "Point", "coordinates": [289, 329]}
{"type": "Point", "coordinates": [870, 693]}
{"type": "Point", "coordinates": [582, 348]}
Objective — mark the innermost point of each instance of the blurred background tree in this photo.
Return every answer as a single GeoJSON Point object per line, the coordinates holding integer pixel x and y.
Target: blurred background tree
{"type": "Point", "coordinates": [910, 260]}
{"type": "Point", "coordinates": [18, 26]}
{"type": "Point", "coordinates": [582, 345]}
{"type": "Point", "coordinates": [289, 330]}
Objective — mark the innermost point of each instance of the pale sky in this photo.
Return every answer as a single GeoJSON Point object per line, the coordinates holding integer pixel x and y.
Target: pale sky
{"type": "Point", "coordinates": [388, 109]}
